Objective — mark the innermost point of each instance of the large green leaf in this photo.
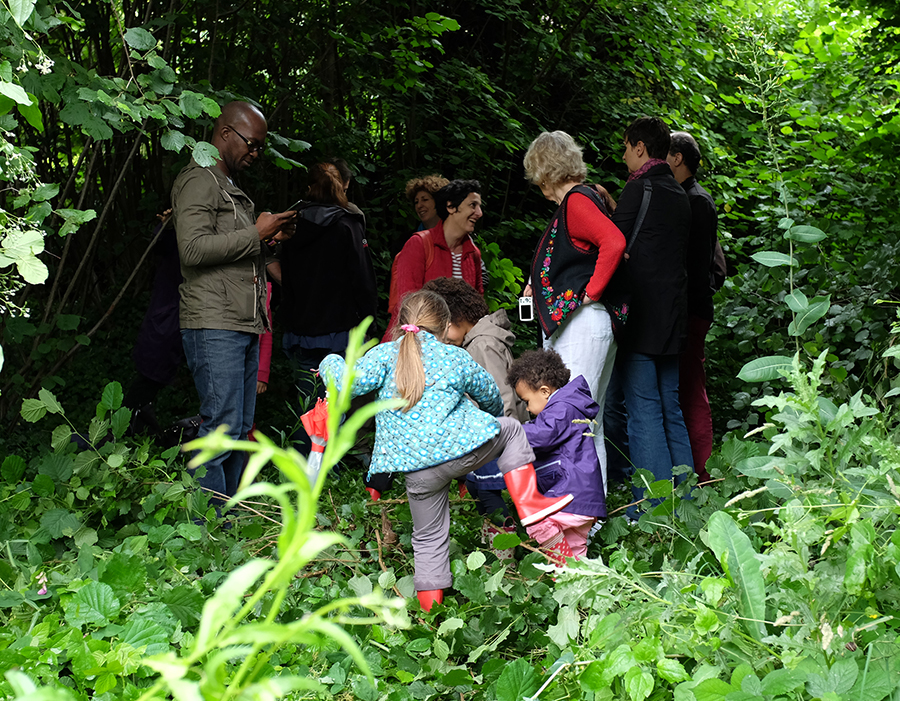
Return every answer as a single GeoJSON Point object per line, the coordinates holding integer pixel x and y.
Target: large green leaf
{"type": "Point", "coordinates": [772, 259]}
{"type": "Point", "coordinates": [93, 604]}
{"type": "Point", "coordinates": [817, 308]}
{"type": "Point", "coordinates": [21, 10]}
{"type": "Point", "coordinates": [32, 113]}
{"type": "Point", "coordinates": [127, 575]}
{"type": "Point", "coordinates": [566, 628]}
{"type": "Point", "coordinates": [760, 466]}
{"type": "Point", "coordinates": [805, 234]}
{"type": "Point", "coordinates": [186, 603]}
{"type": "Point", "coordinates": [205, 154]}
{"type": "Point", "coordinates": [191, 104]}
{"type": "Point", "coordinates": [14, 92]}
{"type": "Point", "coordinates": [765, 369]}
{"type": "Point", "coordinates": [861, 554]}
{"type": "Point", "coordinates": [57, 467]}
{"type": "Point", "coordinates": [60, 523]}
{"type": "Point", "coordinates": [48, 399]}
{"type": "Point", "coordinates": [796, 301]}
{"type": "Point", "coordinates": [172, 140]}
{"type": "Point", "coordinates": [22, 248]}
{"type": "Point", "coordinates": [33, 410]}
{"type": "Point", "coordinates": [518, 680]}
{"type": "Point", "coordinates": [111, 399]}
{"type": "Point", "coordinates": [712, 690]}
{"type": "Point", "coordinates": [638, 683]}
{"type": "Point", "coordinates": [733, 548]}
{"type": "Point", "coordinates": [146, 635]}
{"type": "Point", "coordinates": [13, 469]}
{"type": "Point", "coordinates": [783, 681]}
{"type": "Point", "coordinates": [140, 39]}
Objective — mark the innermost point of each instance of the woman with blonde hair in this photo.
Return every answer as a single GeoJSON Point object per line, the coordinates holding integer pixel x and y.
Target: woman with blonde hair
{"type": "Point", "coordinates": [574, 261]}
{"type": "Point", "coordinates": [440, 434]}
{"type": "Point", "coordinates": [328, 280]}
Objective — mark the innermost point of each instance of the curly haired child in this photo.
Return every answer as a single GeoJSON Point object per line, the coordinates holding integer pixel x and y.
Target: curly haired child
{"type": "Point", "coordinates": [565, 458]}
{"type": "Point", "coordinates": [440, 435]}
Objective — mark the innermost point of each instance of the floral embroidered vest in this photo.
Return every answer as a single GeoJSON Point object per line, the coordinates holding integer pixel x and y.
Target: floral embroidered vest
{"type": "Point", "coordinates": [559, 270]}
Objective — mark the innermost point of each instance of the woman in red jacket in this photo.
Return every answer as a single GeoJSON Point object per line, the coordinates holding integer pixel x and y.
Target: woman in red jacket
{"type": "Point", "coordinates": [445, 250]}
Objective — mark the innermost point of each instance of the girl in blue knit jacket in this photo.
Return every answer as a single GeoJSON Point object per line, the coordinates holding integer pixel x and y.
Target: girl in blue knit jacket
{"type": "Point", "coordinates": [440, 435]}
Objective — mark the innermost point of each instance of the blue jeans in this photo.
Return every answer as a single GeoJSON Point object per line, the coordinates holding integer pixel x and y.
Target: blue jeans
{"type": "Point", "coordinates": [224, 365]}
{"type": "Point", "coordinates": [615, 428]}
{"type": "Point", "coordinates": [657, 436]}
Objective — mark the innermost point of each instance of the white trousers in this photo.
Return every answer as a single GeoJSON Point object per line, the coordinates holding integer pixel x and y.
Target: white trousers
{"type": "Point", "coordinates": [586, 344]}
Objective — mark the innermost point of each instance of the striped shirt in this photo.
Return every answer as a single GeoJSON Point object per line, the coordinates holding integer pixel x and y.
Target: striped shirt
{"type": "Point", "coordinates": [457, 265]}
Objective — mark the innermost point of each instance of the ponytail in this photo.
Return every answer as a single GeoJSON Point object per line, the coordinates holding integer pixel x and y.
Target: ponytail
{"type": "Point", "coordinates": [326, 186]}
{"type": "Point", "coordinates": [420, 311]}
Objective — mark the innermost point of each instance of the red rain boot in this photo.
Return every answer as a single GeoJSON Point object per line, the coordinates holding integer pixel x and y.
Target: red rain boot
{"type": "Point", "coordinates": [530, 503]}
{"type": "Point", "coordinates": [429, 598]}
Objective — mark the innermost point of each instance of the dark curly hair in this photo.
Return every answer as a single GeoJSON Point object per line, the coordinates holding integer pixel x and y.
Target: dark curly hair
{"type": "Point", "coordinates": [537, 368]}
{"type": "Point", "coordinates": [454, 193]}
{"type": "Point", "coordinates": [464, 301]}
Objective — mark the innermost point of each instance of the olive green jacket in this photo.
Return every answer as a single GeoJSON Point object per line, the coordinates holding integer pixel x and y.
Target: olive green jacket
{"type": "Point", "coordinates": [222, 258]}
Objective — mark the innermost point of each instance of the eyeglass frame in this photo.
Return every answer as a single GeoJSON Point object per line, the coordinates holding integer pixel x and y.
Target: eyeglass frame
{"type": "Point", "coordinates": [258, 148]}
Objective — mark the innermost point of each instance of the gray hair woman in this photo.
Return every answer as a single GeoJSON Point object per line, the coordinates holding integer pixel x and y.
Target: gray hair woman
{"type": "Point", "coordinates": [574, 261]}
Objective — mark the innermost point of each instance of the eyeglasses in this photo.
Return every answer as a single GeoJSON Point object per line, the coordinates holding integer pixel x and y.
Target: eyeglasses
{"type": "Point", "coordinates": [253, 148]}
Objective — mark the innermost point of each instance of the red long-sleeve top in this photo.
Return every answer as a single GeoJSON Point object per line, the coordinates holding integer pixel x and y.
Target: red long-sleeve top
{"type": "Point", "coordinates": [589, 227]}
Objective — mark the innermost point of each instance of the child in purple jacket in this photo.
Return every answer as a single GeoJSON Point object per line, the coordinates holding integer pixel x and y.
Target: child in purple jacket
{"type": "Point", "coordinates": [565, 458]}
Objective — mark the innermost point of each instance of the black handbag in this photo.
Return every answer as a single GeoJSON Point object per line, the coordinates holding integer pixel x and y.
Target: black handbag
{"type": "Point", "coordinates": [617, 295]}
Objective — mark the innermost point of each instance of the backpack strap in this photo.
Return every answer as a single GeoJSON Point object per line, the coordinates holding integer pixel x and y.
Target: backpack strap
{"type": "Point", "coordinates": [642, 212]}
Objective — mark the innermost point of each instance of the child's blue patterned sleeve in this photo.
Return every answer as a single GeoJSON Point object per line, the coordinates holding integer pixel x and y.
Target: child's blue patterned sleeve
{"type": "Point", "coordinates": [333, 368]}
{"type": "Point", "coordinates": [371, 371]}
{"type": "Point", "coordinates": [480, 386]}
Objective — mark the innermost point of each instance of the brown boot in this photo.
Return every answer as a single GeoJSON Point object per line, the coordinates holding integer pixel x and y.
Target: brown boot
{"type": "Point", "coordinates": [530, 503]}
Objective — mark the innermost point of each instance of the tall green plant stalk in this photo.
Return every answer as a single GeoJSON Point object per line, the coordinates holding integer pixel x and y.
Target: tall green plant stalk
{"type": "Point", "coordinates": [230, 653]}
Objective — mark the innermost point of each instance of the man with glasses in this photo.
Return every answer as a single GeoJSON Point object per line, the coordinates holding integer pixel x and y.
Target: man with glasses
{"type": "Point", "coordinates": [223, 296]}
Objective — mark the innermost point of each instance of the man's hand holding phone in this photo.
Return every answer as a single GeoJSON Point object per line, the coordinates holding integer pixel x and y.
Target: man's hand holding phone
{"type": "Point", "coordinates": [276, 227]}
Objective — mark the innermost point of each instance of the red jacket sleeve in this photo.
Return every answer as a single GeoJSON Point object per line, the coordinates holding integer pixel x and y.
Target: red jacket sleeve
{"type": "Point", "coordinates": [588, 226]}
{"type": "Point", "coordinates": [409, 276]}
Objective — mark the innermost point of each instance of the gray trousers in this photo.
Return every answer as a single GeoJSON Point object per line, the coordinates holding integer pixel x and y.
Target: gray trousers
{"type": "Point", "coordinates": [429, 501]}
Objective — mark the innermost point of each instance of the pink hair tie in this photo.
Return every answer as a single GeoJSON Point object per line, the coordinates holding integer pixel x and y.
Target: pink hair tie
{"type": "Point", "coordinates": [412, 328]}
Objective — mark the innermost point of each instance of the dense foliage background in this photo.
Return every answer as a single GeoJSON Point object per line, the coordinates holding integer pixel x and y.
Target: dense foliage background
{"type": "Point", "coordinates": [795, 107]}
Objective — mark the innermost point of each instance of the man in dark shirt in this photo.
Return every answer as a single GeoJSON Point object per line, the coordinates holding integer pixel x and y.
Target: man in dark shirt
{"type": "Point", "coordinates": [684, 159]}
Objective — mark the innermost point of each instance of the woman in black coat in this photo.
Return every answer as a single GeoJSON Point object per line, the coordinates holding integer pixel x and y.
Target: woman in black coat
{"type": "Point", "coordinates": [328, 280]}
